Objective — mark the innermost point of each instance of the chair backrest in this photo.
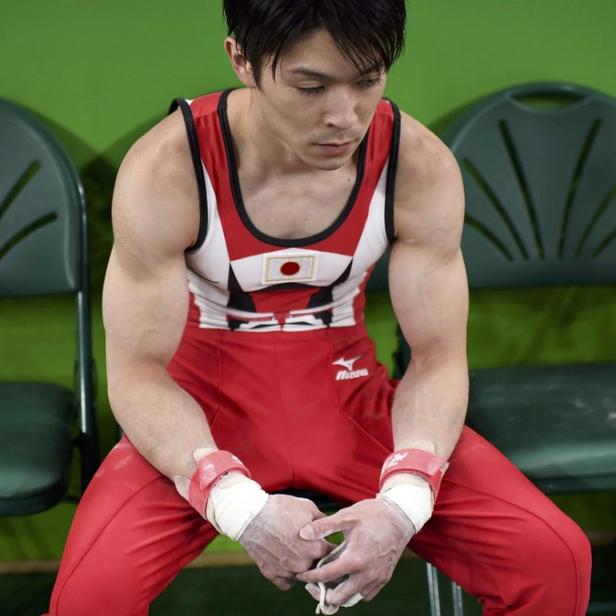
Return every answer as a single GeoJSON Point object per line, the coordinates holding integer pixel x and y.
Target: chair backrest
{"type": "Point", "coordinates": [42, 209]}
{"type": "Point", "coordinates": [539, 169]}
{"type": "Point", "coordinates": [44, 244]}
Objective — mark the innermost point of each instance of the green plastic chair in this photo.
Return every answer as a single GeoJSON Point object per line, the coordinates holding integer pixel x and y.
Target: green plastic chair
{"type": "Point", "coordinates": [539, 169]}
{"type": "Point", "coordinates": [43, 250]}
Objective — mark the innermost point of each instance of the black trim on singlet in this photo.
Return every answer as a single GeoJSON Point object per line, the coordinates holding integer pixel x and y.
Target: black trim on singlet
{"type": "Point", "coordinates": [239, 201]}
{"type": "Point", "coordinates": [390, 189]}
{"type": "Point", "coordinates": [322, 297]}
{"type": "Point", "coordinates": [196, 158]}
{"type": "Point", "coordinates": [325, 296]}
{"type": "Point", "coordinates": [238, 299]}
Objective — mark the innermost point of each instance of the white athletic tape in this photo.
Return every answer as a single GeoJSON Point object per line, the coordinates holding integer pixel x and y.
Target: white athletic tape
{"type": "Point", "coordinates": [322, 606]}
{"type": "Point", "coordinates": [413, 498]}
{"type": "Point", "coordinates": [234, 502]}
{"type": "Point", "coordinates": [328, 609]}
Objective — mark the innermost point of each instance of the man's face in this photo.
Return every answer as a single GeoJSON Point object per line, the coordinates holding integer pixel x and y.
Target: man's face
{"type": "Point", "coordinates": [319, 106]}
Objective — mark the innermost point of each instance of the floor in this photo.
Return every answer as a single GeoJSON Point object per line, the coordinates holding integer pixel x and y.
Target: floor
{"type": "Point", "coordinates": [241, 590]}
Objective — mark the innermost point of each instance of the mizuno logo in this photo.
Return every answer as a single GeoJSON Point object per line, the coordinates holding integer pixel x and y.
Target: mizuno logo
{"type": "Point", "coordinates": [348, 372]}
{"type": "Point", "coordinates": [346, 363]}
{"type": "Point", "coordinates": [394, 460]}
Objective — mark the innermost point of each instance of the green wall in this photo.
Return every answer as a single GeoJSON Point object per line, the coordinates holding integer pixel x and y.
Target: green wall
{"type": "Point", "coordinates": [101, 73]}
{"type": "Point", "coordinates": [104, 71]}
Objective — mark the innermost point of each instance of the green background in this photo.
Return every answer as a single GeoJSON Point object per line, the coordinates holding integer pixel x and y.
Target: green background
{"type": "Point", "coordinates": [99, 74]}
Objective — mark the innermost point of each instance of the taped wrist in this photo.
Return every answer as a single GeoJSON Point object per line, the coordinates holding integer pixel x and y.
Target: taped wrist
{"type": "Point", "coordinates": [412, 497]}
{"type": "Point", "coordinates": [222, 492]}
{"type": "Point", "coordinates": [235, 500]}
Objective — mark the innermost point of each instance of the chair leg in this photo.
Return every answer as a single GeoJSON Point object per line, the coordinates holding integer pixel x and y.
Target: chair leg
{"type": "Point", "coordinates": [433, 590]}
{"type": "Point", "coordinates": [456, 597]}
{"type": "Point", "coordinates": [435, 596]}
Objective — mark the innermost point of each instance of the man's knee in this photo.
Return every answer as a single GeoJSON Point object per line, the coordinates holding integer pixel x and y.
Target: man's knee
{"type": "Point", "coordinates": [561, 548]}
{"type": "Point", "coordinates": [553, 563]}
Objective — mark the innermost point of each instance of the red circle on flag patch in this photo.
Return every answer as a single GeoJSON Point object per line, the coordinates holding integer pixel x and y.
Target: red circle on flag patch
{"type": "Point", "coordinates": [290, 268]}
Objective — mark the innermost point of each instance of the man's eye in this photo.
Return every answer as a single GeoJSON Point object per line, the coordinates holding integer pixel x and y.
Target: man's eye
{"type": "Point", "coordinates": [369, 83]}
{"type": "Point", "coordinates": [308, 91]}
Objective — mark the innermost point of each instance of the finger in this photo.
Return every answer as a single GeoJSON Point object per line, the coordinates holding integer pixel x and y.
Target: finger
{"type": "Point", "coordinates": [318, 514]}
{"type": "Point", "coordinates": [354, 600]}
{"type": "Point", "coordinates": [282, 583]}
{"type": "Point", "coordinates": [325, 548]}
{"type": "Point", "coordinates": [312, 554]}
{"type": "Point", "coordinates": [314, 510]}
{"type": "Point", "coordinates": [316, 553]}
{"type": "Point", "coordinates": [347, 591]}
{"type": "Point", "coordinates": [327, 525]}
{"type": "Point", "coordinates": [314, 591]}
{"type": "Point", "coordinates": [372, 591]}
{"type": "Point", "coordinates": [328, 573]}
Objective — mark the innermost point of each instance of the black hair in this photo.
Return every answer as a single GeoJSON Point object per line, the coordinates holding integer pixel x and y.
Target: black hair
{"type": "Point", "coordinates": [369, 33]}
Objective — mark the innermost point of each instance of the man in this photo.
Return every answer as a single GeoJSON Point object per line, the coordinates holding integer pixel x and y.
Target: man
{"type": "Point", "coordinates": [245, 227]}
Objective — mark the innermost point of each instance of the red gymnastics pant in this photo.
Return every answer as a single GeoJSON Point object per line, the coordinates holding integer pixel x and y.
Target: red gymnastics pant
{"type": "Point", "coordinates": [299, 420]}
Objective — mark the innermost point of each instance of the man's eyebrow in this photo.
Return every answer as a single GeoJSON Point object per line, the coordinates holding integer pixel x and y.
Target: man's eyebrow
{"type": "Point", "coordinates": [306, 72]}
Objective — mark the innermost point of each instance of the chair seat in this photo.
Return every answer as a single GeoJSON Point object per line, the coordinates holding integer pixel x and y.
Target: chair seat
{"type": "Point", "coordinates": [36, 437]}
{"type": "Point", "coordinates": [556, 423]}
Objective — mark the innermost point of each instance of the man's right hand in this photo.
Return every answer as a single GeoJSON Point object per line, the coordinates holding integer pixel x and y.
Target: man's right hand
{"type": "Point", "coordinates": [273, 542]}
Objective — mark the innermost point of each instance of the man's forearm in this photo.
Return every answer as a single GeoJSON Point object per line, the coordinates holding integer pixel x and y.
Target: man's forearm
{"type": "Point", "coordinates": [430, 404]}
{"type": "Point", "coordinates": [170, 430]}
{"type": "Point", "coordinates": [428, 414]}
{"type": "Point", "coordinates": [163, 421]}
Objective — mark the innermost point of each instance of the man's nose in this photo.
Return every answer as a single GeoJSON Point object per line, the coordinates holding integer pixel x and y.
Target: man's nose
{"type": "Point", "coordinates": [341, 110]}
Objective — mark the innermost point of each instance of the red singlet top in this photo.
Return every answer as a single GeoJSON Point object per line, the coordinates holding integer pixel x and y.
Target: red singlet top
{"type": "Point", "coordinates": [242, 279]}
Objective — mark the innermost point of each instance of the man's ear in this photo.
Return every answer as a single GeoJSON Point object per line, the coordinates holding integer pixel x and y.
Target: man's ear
{"type": "Point", "coordinates": [241, 66]}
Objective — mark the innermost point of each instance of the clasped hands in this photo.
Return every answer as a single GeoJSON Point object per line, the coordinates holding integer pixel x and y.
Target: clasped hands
{"type": "Point", "coordinates": [288, 536]}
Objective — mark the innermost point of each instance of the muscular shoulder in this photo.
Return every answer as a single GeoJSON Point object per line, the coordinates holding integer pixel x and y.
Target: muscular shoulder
{"type": "Point", "coordinates": [429, 204]}
{"type": "Point", "coordinates": [155, 200]}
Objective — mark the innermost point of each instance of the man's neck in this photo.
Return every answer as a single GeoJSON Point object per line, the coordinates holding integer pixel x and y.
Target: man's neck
{"type": "Point", "coordinates": [257, 147]}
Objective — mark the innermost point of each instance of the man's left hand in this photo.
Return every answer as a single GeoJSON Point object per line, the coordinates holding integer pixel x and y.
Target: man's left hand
{"type": "Point", "coordinates": [376, 532]}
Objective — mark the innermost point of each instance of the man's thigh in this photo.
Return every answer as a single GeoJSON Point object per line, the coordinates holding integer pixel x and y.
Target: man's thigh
{"type": "Point", "coordinates": [130, 536]}
{"type": "Point", "coordinates": [502, 539]}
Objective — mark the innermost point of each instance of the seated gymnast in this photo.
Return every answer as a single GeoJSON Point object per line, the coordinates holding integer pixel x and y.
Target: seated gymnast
{"type": "Point", "coordinates": [246, 225]}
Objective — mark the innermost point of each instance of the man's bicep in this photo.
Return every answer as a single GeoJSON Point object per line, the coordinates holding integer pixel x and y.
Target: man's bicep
{"type": "Point", "coordinates": [144, 310]}
{"type": "Point", "coordinates": [427, 276]}
{"type": "Point", "coordinates": [145, 297]}
{"type": "Point", "coordinates": [429, 295]}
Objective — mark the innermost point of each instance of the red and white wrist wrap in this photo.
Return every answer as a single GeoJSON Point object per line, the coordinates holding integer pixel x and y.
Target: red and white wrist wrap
{"type": "Point", "coordinates": [222, 492]}
{"type": "Point", "coordinates": [418, 462]}
{"type": "Point", "coordinates": [414, 490]}
{"type": "Point", "coordinates": [210, 469]}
